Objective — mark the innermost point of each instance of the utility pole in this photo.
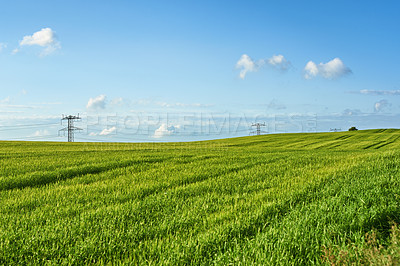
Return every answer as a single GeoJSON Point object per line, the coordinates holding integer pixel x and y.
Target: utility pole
{"type": "Point", "coordinates": [258, 130]}
{"type": "Point", "coordinates": [70, 128]}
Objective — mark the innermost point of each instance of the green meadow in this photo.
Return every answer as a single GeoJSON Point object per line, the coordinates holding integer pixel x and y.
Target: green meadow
{"type": "Point", "coordinates": [309, 198]}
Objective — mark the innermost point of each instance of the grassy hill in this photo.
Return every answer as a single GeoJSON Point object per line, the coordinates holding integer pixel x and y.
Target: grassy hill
{"type": "Point", "coordinates": [272, 199]}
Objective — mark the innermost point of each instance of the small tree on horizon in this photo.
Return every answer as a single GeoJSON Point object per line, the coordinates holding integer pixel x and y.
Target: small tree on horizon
{"type": "Point", "coordinates": [353, 129]}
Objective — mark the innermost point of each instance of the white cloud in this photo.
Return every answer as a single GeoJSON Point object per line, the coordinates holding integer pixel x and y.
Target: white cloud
{"type": "Point", "coordinates": [117, 101]}
{"type": "Point", "coordinates": [46, 38]}
{"type": "Point", "coordinates": [311, 70]}
{"type": "Point", "coordinates": [169, 105]}
{"type": "Point", "coordinates": [108, 131]}
{"type": "Point", "coordinates": [5, 100]}
{"type": "Point", "coordinates": [96, 103]}
{"type": "Point", "coordinates": [381, 105]}
{"type": "Point", "coordinates": [165, 130]}
{"type": "Point", "coordinates": [142, 102]}
{"type": "Point", "coordinates": [247, 64]}
{"type": "Point", "coordinates": [351, 112]}
{"type": "Point", "coordinates": [40, 133]}
{"type": "Point", "coordinates": [279, 62]}
{"type": "Point", "coordinates": [380, 92]}
{"type": "Point", "coordinates": [11, 112]}
{"type": "Point", "coordinates": [146, 102]}
{"type": "Point", "coordinates": [331, 70]}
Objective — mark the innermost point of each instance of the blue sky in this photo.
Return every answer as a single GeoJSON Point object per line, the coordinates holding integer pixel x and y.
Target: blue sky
{"type": "Point", "coordinates": [189, 70]}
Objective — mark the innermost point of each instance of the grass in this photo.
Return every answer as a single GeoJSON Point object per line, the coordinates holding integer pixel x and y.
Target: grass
{"type": "Point", "coordinates": [274, 199]}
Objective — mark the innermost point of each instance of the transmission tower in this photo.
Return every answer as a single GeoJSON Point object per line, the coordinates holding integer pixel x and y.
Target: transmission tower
{"type": "Point", "coordinates": [70, 128]}
{"type": "Point", "coordinates": [258, 130]}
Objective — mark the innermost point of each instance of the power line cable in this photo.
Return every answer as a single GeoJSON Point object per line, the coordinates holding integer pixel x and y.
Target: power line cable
{"type": "Point", "coordinates": [33, 137]}
{"type": "Point", "coordinates": [21, 127]}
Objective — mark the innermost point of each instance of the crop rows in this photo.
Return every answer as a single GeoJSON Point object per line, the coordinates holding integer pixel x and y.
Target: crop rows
{"type": "Point", "coordinates": [274, 199]}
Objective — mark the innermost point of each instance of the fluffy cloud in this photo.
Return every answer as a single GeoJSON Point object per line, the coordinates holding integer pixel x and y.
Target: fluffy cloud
{"type": "Point", "coordinates": [331, 70]}
{"type": "Point", "coordinates": [46, 38]}
{"type": "Point", "coordinates": [108, 131]}
{"type": "Point", "coordinates": [41, 133]}
{"type": "Point", "coordinates": [117, 101]}
{"type": "Point", "coordinates": [104, 132]}
{"type": "Point", "coordinates": [96, 103]}
{"type": "Point", "coordinates": [279, 62]}
{"type": "Point", "coordinates": [311, 70]}
{"type": "Point", "coordinates": [381, 105]}
{"type": "Point", "coordinates": [247, 64]}
{"type": "Point", "coordinates": [351, 112]}
{"type": "Point", "coordinates": [165, 130]}
{"type": "Point", "coordinates": [378, 92]}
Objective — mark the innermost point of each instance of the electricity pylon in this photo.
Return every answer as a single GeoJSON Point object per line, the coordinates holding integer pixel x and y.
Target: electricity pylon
{"type": "Point", "coordinates": [258, 130]}
{"type": "Point", "coordinates": [70, 128]}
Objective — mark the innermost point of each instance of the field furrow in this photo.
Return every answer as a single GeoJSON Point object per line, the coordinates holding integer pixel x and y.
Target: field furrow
{"type": "Point", "coordinates": [265, 200]}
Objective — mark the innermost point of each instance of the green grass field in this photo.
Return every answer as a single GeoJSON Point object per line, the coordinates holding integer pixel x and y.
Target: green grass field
{"type": "Point", "coordinates": [274, 199]}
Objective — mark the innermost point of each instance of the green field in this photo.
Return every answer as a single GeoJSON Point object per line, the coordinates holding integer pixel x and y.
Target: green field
{"type": "Point", "coordinates": [274, 199]}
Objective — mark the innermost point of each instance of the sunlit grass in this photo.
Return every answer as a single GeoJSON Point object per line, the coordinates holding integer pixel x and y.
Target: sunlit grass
{"type": "Point", "coordinates": [274, 199]}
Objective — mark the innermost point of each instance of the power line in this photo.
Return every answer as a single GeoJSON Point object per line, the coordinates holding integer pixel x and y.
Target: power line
{"type": "Point", "coordinates": [33, 138]}
{"type": "Point", "coordinates": [19, 127]}
{"type": "Point", "coordinates": [29, 125]}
